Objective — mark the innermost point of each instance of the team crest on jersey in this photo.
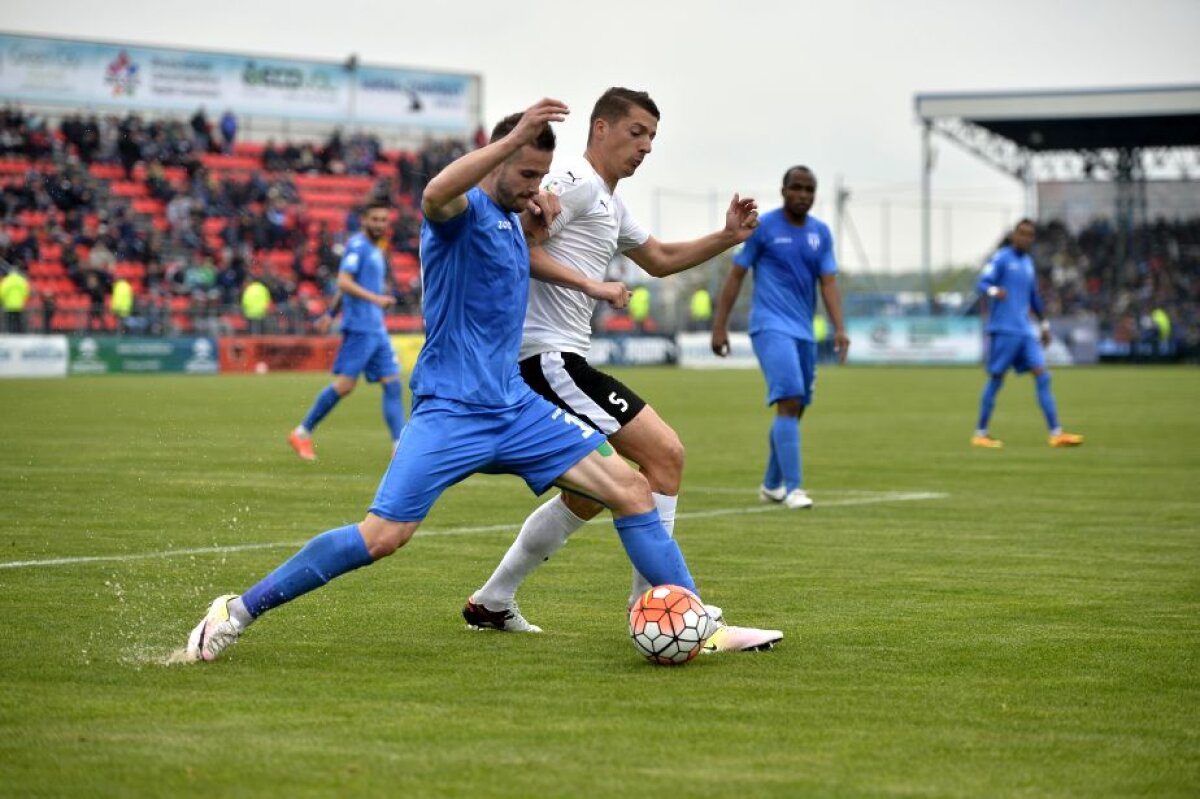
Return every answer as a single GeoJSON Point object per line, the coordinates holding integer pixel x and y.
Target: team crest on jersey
{"type": "Point", "coordinates": [814, 240]}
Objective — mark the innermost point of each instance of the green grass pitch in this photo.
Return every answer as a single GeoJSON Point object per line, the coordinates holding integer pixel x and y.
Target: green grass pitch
{"type": "Point", "coordinates": [959, 622]}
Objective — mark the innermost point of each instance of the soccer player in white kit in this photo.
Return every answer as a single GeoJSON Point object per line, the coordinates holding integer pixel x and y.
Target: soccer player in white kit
{"type": "Point", "coordinates": [593, 227]}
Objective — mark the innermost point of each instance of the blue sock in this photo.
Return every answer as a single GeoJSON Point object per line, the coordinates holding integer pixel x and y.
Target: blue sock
{"type": "Point", "coordinates": [774, 475]}
{"type": "Point", "coordinates": [330, 554]}
{"type": "Point", "coordinates": [988, 401]}
{"type": "Point", "coordinates": [653, 553]}
{"type": "Point", "coordinates": [785, 435]}
{"type": "Point", "coordinates": [1046, 400]}
{"type": "Point", "coordinates": [324, 404]}
{"type": "Point", "coordinates": [393, 408]}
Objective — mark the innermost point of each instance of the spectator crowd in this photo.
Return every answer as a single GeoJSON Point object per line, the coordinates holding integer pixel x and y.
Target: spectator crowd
{"type": "Point", "coordinates": [211, 231]}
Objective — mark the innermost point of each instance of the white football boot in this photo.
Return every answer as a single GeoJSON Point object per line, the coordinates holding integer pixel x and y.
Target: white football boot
{"type": "Point", "coordinates": [772, 494]}
{"type": "Point", "coordinates": [216, 631]}
{"type": "Point", "coordinates": [723, 638]}
{"type": "Point", "coordinates": [507, 619]}
{"type": "Point", "coordinates": [741, 639]}
{"type": "Point", "coordinates": [796, 498]}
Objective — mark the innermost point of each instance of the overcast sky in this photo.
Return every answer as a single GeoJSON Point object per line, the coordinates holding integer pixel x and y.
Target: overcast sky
{"type": "Point", "coordinates": [745, 89]}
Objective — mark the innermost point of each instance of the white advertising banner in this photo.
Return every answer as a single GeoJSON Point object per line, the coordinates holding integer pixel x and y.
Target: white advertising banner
{"type": "Point", "coordinates": [33, 356]}
{"type": "Point", "coordinates": [915, 339]}
{"type": "Point", "coordinates": [694, 351]}
{"type": "Point", "coordinates": [89, 74]}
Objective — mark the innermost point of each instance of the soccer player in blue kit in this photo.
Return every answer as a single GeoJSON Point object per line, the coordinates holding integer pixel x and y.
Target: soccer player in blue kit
{"type": "Point", "coordinates": [791, 253]}
{"type": "Point", "coordinates": [472, 412]}
{"type": "Point", "coordinates": [366, 347]}
{"type": "Point", "coordinates": [1010, 283]}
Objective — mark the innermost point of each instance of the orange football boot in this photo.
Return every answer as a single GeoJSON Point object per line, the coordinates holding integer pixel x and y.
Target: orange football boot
{"type": "Point", "coordinates": [303, 446]}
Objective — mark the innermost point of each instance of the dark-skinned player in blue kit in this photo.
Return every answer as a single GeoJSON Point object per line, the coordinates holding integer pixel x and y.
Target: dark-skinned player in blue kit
{"type": "Point", "coordinates": [1009, 282]}
{"type": "Point", "coordinates": [791, 253]}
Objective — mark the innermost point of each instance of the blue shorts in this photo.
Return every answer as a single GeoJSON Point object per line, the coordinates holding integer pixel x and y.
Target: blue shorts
{"type": "Point", "coordinates": [366, 352]}
{"type": "Point", "coordinates": [1020, 353]}
{"type": "Point", "coordinates": [446, 441]}
{"type": "Point", "coordinates": [789, 364]}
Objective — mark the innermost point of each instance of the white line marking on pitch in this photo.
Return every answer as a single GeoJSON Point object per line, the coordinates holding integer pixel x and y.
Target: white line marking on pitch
{"type": "Point", "coordinates": [876, 499]}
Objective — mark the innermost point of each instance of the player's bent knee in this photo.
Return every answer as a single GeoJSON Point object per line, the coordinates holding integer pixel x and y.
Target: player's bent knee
{"type": "Point", "coordinates": [632, 495]}
{"type": "Point", "coordinates": [383, 537]}
{"type": "Point", "coordinates": [582, 507]}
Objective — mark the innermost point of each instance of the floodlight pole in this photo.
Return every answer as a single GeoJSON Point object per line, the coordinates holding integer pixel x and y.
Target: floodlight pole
{"type": "Point", "coordinates": [926, 211]}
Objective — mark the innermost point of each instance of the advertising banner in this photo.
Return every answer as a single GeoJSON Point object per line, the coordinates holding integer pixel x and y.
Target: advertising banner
{"type": "Point", "coordinates": [695, 352]}
{"type": "Point", "coordinates": [277, 353]}
{"type": "Point", "coordinates": [430, 100]}
{"type": "Point", "coordinates": [102, 355]}
{"type": "Point", "coordinates": [408, 347]}
{"type": "Point", "coordinates": [915, 339]}
{"type": "Point", "coordinates": [631, 351]}
{"type": "Point", "coordinates": [86, 74]}
{"type": "Point", "coordinates": [1075, 341]}
{"type": "Point", "coordinates": [33, 356]}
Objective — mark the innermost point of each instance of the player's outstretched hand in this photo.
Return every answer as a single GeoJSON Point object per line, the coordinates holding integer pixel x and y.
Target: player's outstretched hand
{"type": "Point", "coordinates": [385, 301]}
{"type": "Point", "coordinates": [841, 345]}
{"type": "Point", "coordinates": [615, 293]}
{"type": "Point", "coordinates": [537, 218]}
{"type": "Point", "coordinates": [536, 116]}
{"type": "Point", "coordinates": [742, 217]}
{"type": "Point", "coordinates": [720, 343]}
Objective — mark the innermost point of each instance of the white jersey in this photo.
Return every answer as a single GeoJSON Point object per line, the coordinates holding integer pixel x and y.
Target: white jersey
{"type": "Point", "coordinates": [593, 227]}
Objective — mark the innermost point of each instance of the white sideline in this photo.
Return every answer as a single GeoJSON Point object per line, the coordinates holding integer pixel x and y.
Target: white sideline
{"type": "Point", "coordinates": [864, 498]}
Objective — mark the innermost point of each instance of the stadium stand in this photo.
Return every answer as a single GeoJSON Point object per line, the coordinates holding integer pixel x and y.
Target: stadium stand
{"type": "Point", "coordinates": [1082, 274]}
{"type": "Point", "coordinates": [188, 219]}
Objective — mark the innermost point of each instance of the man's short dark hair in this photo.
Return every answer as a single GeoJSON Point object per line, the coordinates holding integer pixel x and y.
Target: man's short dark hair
{"type": "Point", "coordinates": [376, 202]}
{"type": "Point", "coordinates": [614, 104]}
{"type": "Point", "coordinates": [544, 141]}
{"type": "Point", "coordinates": [1026, 221]}
{"type": "Point", "coordinates": [792, 169]}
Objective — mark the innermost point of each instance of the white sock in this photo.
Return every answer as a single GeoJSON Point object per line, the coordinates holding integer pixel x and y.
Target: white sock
{"type": "Point", "coordinates": [543, 534]}
{"type": "Point", "coordinates": [302, 431]}
{"type": "Point", "coordinates": [666, 512]}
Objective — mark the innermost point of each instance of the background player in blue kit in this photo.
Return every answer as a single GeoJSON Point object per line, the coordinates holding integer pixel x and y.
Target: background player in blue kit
{"type": "Point", "coordinates": [366, 347]}
{"type": "Point", "coordinates": [1009, 281]}
{"type": "Point", "coordinates": [472, 412]}
{"type": "Point", "coordinates": [790, 253]}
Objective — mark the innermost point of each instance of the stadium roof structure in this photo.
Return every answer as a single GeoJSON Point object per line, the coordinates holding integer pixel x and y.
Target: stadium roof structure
{"type": "Point", "coordinates": [1125, 135]}
{"type": "Point", "coordinates": [1071, 133]}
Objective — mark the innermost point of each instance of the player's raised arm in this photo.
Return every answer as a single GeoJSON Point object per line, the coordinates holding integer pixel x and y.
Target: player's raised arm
{"type": "Point", "coordinates": [544, 268]}
{"type": "Point", "coordinates": [445, 198]}
{"type": "Point", "coordinates": [661, 258]}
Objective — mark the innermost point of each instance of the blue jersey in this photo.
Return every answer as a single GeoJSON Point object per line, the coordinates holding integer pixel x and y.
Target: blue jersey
{"type": "Point", "coordinates": [364, 262]}
{"type": "Point", "coordinates": [1012, 271]}
{"type": "Point", "coordinates": [788, 262]}
{"type": "Point", "coordinates": [475, 274]}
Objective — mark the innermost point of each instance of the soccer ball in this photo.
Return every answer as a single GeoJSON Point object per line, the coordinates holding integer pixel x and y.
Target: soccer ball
{"type": "Point", "coordinates": [668, 625]}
